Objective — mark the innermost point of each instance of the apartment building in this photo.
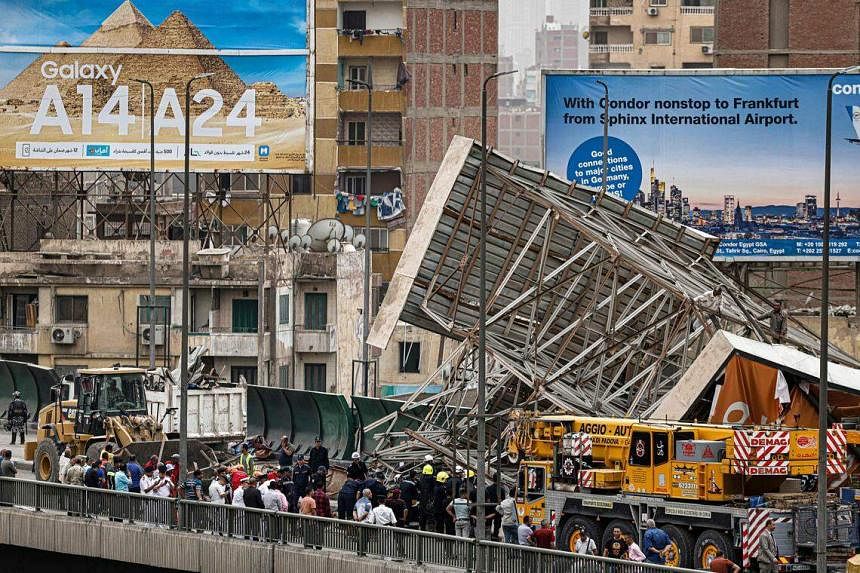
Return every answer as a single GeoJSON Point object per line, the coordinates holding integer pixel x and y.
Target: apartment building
{"type": "Point", "coordinates": [651, 34]}
{"type": "Point", "coordinates": [784, 34]}
{"type": "Point", "coordinates": [293, 318]}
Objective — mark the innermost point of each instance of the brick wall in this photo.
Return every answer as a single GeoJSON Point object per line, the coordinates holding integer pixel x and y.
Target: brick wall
{"type": "Point", "coordinates": [820, 34]}
{"type": "Point", "coordinates": [452, 46]}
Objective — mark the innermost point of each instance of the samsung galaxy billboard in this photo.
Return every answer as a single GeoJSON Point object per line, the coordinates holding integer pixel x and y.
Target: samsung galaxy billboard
{"type": "Point", "coordinates": [739, 155]}
{"type": "Point", "coordinates": [71, 95]}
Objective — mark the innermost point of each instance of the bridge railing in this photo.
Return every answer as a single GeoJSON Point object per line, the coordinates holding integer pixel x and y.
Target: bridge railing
{"type": "Point", "coordinates": [419, 547]}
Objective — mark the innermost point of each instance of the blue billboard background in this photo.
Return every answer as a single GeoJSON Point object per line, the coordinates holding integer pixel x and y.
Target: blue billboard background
{"type": "Point", "coordinates": [681, 144]}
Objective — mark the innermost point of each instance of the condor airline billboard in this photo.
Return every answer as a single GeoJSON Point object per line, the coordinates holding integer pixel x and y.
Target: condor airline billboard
{"type": "Point", "coordinates": [738, 154]}
{"type": "Point", "coordinates": [70, 99]}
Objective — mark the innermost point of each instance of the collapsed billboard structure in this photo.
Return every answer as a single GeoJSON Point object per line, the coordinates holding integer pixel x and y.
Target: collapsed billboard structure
{"type": "Point", "coordinates": [594, 305]}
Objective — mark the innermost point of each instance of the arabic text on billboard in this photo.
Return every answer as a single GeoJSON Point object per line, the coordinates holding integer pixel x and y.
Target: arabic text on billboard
{"type": "Point", "coordinates": [739, 156]}
{"type": "Point", "coordinates": [85, 109]}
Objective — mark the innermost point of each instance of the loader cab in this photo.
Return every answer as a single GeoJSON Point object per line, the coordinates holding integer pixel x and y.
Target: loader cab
{"type": "Point", "coordinates": [106, 392]}
{"type": "Point", "coordinates": [533, 480]}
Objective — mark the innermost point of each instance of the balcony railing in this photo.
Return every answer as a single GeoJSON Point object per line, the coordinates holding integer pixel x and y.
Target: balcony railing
{"type": "Point", "coordinates": [322, 340]}
{"type": "Point", "coordinates": [610, 48]}
{"type": "Point", "coordinates": [18, 340]}
{"type": "Point", "coordinates": [698, 10]}
{"type": "Point", "coordinates": [225, 342]}
{"type": "Point", "coordinates": [617, 11]}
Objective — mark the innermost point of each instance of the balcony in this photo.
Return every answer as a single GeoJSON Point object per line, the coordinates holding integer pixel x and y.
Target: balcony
{"type": "Point", "coordinates": [19, 340]}
{"type": "Point", "coordinates": [698, 10]}
{"type": "Point", "coordinates": [385, 99]}
{"type": "Point", "coordinates": [617, 11]}
{"type": "Point", "coordinates": [369, 43]}
{"type": "Point", "coordinates": [610, 48]}
{"type": "Point", "coordinates": [226, 343]}
{"type": "Point", "coordinates": [385, 154]}
{"type": "Point", "coordinates": [316, 340]}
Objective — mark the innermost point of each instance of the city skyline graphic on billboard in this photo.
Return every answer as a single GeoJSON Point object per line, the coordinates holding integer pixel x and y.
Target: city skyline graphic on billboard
{"type": "Point", "coordinates": [84, 110]}
{"type": "Point", "coordinates": [738, 155]}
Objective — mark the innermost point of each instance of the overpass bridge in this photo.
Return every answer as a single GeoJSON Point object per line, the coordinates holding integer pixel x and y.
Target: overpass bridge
{"type": "Point", "coordinates": [208, 538]}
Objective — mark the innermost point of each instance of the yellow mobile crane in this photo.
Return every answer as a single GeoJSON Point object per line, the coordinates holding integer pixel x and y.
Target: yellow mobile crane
{"type": "Point", "coordinates": [705, 485]}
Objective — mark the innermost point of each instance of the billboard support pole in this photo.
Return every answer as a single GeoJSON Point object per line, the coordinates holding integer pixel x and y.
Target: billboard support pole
{"type": "Point", "coordinates": [151, 222]}
{"type": "Point", "coordinates": [186, 295]}
{"type": "Point", "coordinates": [821, 502]}
{"type": "Point", "coordinates": [605, 134]}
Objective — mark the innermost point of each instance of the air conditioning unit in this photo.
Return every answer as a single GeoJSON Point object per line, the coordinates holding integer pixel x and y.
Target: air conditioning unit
{"type": "Point", "coordinates": [707, 49]}
{"type": "Point", "coordinates": [653, 11]}
{"type": "Point", "coordinates": [146, 333]}
{"type": "Point", "coordinates": [63, 335]}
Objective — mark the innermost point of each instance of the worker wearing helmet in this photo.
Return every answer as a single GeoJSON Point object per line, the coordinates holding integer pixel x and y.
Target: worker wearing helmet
{"type": "Point", "coordinates": [441, 498]}
{"type": "Point", "coordinates": [426, 489]}
{"type": "Point", "coordinates": [428, 463]}
{"type": "Point", "coordinates": [16, 416]}
{"type": "Point", "coordinates": [357, 469]}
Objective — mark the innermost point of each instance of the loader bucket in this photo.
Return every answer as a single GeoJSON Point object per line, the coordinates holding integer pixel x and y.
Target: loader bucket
{"type": "Point", "coordinates": [198, 452]}
{"type": "Point", "coordinates": [337, 424]}
{"type": "Point", "coordinates": [306, 419]}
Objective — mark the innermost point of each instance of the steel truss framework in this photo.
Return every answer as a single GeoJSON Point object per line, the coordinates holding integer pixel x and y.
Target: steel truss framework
{"type": "Point", "coordinates": [228, 209]}
{"type": "Point", "coordinates": [594, 305]}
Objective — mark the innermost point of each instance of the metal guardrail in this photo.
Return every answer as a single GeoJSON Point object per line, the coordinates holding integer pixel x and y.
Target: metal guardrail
{"type": "Point", "coordinates": [419, 547]}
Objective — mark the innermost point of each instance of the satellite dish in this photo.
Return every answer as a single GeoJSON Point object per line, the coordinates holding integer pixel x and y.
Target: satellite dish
{"type": "Point", "coordinates": [332, 246]}
{"type": "Point", "coordinates": [211, 197]}
{"type": "Point", "coordinates": [306, 242]}
{"type": "Point", "coordinates": [295, 243]}
{"type": "Point", "coordinates": [300, 226]}
{"type": "Point", "coordinates": [348, 248]}
{"type": "Point", "coordinates": [323, 230]}
{"type": "Point", "coordinates": [285, 235]}
{"type": "Point", "coordinates": [586, 34]}
{"type": "Point", "coordinates": [348, 233]}
{"type": "Point", "coordinates": [273, 232]}
{"type": "Point", "coordinates": [359, 241]}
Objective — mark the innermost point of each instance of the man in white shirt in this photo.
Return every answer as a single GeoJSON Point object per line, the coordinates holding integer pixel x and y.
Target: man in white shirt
{"type": "Point", "coordinates": [218, 490]}
{"type": "Point", "coordinates": [585, 545]}
{"type": "Point", "coordinates": [524, 531]}
{"type": "Point", "coordinates": [508, 510]}
{"type": "Point", "coordinates": [239, 493]}
{"type": "Point", "coordinates": [383, 515]}
{"type": "Point", "coordinates": [148, 482]}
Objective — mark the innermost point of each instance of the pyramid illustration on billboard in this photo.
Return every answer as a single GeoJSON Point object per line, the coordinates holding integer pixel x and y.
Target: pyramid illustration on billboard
{"type": "Point", "coordinates": [128, 27]}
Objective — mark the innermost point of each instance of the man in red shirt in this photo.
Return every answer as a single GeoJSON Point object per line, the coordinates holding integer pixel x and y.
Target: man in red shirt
{"type": "Point", "coordinates": [544, 537]}
{"type": "Point", "coordinates": [323, 504]}
{"type": "Point", "coordinates": [722, 565]}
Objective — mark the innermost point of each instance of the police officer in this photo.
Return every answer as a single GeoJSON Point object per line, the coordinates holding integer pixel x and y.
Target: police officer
{"type": "Point", "coordinates": [17, 415]}
{"type": "Point", "coordinates": [318, 455]}
{"type": "Point", "coordinates": [301, 478]}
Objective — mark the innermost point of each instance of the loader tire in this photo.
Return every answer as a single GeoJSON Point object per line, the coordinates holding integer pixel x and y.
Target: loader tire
{"type": "Point", "coordinates": [681, 546]}
{"type": "Point", "coordinates": [569, 533]}
{"type": "Point", "coordinates": [46, 461]}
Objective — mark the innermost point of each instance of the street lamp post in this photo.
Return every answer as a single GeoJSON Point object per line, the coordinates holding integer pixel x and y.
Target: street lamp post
{"type": "Point", "coordinates": [821, 502]}
{"type": "Point", "coordinates": [151, 221]}
{"type": "Point", "coordinates": [481, 450]}
{"type": "Point", "coordinates": [605, 133]}
{"type": "Point", "coordinates": [186, 276]}
{"type": "Point", "coordinates": [366, 313]}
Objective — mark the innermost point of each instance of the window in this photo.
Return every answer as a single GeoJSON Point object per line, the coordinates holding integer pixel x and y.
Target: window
{"type": "Point", "coordinates": [284, 376]}
{"type": "Point", "coordinates": [355, 133]}
{"type": "Point", "coordinates": [531, 483]}
{"type": "Point", "coordinates": [697, 3]}
{"type": "Point", "coordinates": [355, 184]}
{"type": "Point", "coordinates": [161, 308]}
{"type": "Point", "coordinates": [25, 310]}
{"type": "Point", "coordinates": [702, 35]}
{"type": "Point", "coordinates": [599, 3]}
{"type": "Point", "coordinates": [316, 310]}
{"type": "Point", "coordinates": [315, 377]}
{"type": "Point", "coordinates": [698, 65]}
{"type": "Point", "coordinates": [658, 38]}
{"type": "Point", "coordinates": [244, 315]}
{"type": "Point", "coordinates": [71, 309]}
{"type": "Point", "coordinates": [300, 184]}
{"type": "Point", "coordinates": [284, 309]}
{"type": "Point", "coordinates": [640, 449]}
{"type": "Point", "coordinates": [600, 38]}
{"type": "Point", "coordinates": [661, 448]}
{"type": "Point", "coordinates": [357, 73]}
{"type": "Point", "coordinates": [410, 357]}
{"type": "Point", "coordinates": [246, 373]}
{"type": "Point", "coordinates": [354, 19]}
{"type": "Point", "coordinates": [658, 3]}
{"type": "Point", "coordinates": [378, 239]}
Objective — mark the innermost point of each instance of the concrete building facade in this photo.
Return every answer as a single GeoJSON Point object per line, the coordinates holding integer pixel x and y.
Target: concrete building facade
{"type": "Point", "coordinates": [787, 34]}
{"type": "Point", "coordinates": [655, 34]}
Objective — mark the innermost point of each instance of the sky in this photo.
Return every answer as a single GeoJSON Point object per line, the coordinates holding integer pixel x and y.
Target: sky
{"type": "Point", "coordinates": [759, 165]}
{"type": "Point", "coordinates": [256, 24]}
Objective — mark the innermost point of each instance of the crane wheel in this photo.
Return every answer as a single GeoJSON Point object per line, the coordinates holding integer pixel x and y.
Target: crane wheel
{"type": "Point", "coordinates": [681, 547]}
{"type": "Point", "coordinates": [625, 526]}
{"type": "Point", "coordinates": [46, 461]}
{"type": "Point", "coordinates": [569, 533]}
{"type": "Point", "coordinates": [707, 546]}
